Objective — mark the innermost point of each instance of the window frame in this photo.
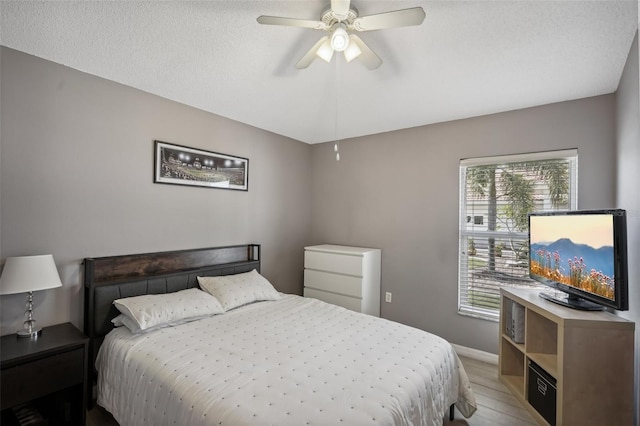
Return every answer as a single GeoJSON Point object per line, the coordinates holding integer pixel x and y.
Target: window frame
{"type": "Point", "coordinates": [464, 234]}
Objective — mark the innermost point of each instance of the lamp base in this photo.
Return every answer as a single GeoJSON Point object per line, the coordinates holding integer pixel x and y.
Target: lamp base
{"type": "Point", "coordinates": [30, 329]}
{"type": "Point", "coordinates": [30, 333]}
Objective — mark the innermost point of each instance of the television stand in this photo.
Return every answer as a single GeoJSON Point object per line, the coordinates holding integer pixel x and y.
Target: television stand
{"type": "Point", "coordinates": [589, 356]}
{"type": "Point", "coordinates": [570, 301]}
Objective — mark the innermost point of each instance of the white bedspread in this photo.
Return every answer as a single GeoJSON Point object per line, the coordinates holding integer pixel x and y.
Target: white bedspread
{"type": "Point", "coordinates": [294, 361]}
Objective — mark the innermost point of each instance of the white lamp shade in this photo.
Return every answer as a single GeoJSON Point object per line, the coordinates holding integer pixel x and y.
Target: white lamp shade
{"type": "Point", "coordinates": [339, 38]}
{"type": "Point", "coordinates": [351, 52]}
{"type": "Point", "coordinates": [29, 273]}
{"type": "Point", "coordinates": [325, 51]}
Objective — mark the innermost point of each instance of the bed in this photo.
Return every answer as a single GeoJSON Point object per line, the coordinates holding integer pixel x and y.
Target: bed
{"type": "Point", "coordinates": [280, 360]}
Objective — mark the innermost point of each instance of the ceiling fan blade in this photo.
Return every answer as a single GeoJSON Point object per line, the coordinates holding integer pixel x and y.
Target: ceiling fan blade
{"type": "Point", "coordinates": [291, 22]}
{"type": "Point", "coordinates": [340, 7]}
{"type": "Point", "coordinates": [397, 18]}
{"type": "Point", "coordinates": [311, 54]}
{"type": "Point", "coordinates": [367, 57]}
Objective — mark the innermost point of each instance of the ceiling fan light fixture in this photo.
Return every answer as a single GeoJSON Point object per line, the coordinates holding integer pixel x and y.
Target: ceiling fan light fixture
{"type": "Point", "coordinates": [325, 51]}
{"type": "Point", "coordinates": [351, 52]}
{"type": "Point", "coordinates": [339, 18]}
{"type": "Point", "coordinates": [339, 38]}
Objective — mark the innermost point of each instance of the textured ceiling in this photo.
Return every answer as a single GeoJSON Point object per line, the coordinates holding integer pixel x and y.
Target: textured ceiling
{"type": "Point", "coordinates": [468, 58]}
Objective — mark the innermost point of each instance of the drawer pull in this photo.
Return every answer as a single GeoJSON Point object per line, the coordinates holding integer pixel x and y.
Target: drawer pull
{"type": "Point", "coordinates": [542, 386]}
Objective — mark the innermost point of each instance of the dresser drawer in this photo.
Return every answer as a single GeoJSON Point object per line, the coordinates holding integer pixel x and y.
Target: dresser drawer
{"type": "Point", "coordinates": [330, 262]}
{"type": "Point", "coordinates": [41, 377]}
{"type": "Point", "coordinates": [348, 302]}
{"type": "Point", "coordinates": [334, 283]}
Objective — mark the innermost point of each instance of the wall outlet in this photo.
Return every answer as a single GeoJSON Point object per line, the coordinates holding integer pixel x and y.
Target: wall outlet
{"type": "Point", "coordinates": [387, 297]}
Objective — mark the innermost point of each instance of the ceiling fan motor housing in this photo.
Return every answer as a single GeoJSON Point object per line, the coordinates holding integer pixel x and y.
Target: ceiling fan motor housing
{"type": "Point", "coordinates": [330, 18]}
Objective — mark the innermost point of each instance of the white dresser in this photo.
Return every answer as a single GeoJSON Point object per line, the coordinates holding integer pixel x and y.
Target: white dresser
{"type": "Point", "coordinates": [344, 276]}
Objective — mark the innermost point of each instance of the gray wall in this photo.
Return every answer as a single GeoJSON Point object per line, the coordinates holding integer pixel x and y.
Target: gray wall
{"type": "Point", "coordinates": [628, 178]}
{"type": "Point", "coordinates": [399, 192]}
{"type": "Point", "coordinates": [77, 180]}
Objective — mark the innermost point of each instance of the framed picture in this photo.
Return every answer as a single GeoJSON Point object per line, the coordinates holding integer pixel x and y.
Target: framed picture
{"type": "Point", "coordinates": [181, 165]}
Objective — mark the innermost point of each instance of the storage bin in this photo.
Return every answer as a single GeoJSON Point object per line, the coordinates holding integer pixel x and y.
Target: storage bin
{"type": "Point", "coordinates": [541, 392]}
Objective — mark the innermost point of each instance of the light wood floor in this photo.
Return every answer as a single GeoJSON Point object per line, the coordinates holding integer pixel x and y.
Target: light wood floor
{"type": "Point", "coordinates": [496, 405]}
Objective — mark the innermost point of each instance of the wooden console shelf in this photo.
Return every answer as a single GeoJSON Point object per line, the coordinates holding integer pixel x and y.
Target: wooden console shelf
{"type": "Point", "coordinates": [590, 356]}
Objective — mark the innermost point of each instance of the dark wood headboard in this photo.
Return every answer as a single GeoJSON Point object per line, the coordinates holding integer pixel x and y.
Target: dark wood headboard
{"type": "Point", "coordinates": [109, 278]}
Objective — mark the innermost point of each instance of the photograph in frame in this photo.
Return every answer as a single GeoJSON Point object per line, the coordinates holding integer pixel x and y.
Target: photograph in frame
{"type": "Point", "coordinates": [181, 165]}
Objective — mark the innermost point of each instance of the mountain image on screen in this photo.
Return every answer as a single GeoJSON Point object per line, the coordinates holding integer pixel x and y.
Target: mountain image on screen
{"type": "Point", "coordinates": [578, 265]}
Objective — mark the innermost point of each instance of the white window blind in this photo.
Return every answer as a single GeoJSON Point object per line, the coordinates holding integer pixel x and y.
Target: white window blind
{"type": "Point", "coordinates": [496, 196]}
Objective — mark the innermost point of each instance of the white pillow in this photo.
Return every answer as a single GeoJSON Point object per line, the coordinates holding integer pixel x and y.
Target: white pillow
{"type": "Point", "coordinates": [123, 320]}
{"type": "Point", "coordinates": [152, 310]}
{"type": "Point", "coordinates": [240, 289]}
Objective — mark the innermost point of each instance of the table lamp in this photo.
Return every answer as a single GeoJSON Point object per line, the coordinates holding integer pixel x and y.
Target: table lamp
{"type": "Point", "coordinates": [26, 274]}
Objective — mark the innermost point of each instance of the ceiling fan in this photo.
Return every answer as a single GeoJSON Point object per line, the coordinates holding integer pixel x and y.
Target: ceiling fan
{"type": "Point", "coordinates": [338, 21]}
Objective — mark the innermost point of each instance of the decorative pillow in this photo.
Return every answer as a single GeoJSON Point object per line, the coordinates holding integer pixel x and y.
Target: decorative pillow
{"type": "Point", "coordinates": [240, 289]}
{"type": "Point", "coordinates": [154, 310]}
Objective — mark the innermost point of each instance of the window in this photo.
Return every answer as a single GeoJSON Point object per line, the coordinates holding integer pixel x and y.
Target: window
{"type": "Point", "coordinates": [496, 195]}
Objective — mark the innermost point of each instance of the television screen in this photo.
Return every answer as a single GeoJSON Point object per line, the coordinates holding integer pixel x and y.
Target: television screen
{"type": "Point", "coordinates": [582, 253]}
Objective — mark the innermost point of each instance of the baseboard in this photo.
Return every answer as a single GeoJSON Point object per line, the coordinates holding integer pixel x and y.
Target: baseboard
{"type": "Point", "coordinates": [476, 354]}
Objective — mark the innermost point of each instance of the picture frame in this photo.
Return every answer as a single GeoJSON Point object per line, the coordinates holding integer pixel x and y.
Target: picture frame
{"type": "Point", "coordinates": [182, 165]}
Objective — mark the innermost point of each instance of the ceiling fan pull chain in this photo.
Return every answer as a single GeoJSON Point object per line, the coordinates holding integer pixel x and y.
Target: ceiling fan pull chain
{"type": "Point", "coordinates": [336, 148]}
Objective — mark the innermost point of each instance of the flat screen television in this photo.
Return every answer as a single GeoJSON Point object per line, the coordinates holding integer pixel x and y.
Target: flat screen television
{"type": "Point", "coordinates": [583, 254]}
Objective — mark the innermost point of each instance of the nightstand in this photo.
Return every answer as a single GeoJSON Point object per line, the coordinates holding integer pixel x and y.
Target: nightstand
{"type": "Point", "coordinates": [44, 379]}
